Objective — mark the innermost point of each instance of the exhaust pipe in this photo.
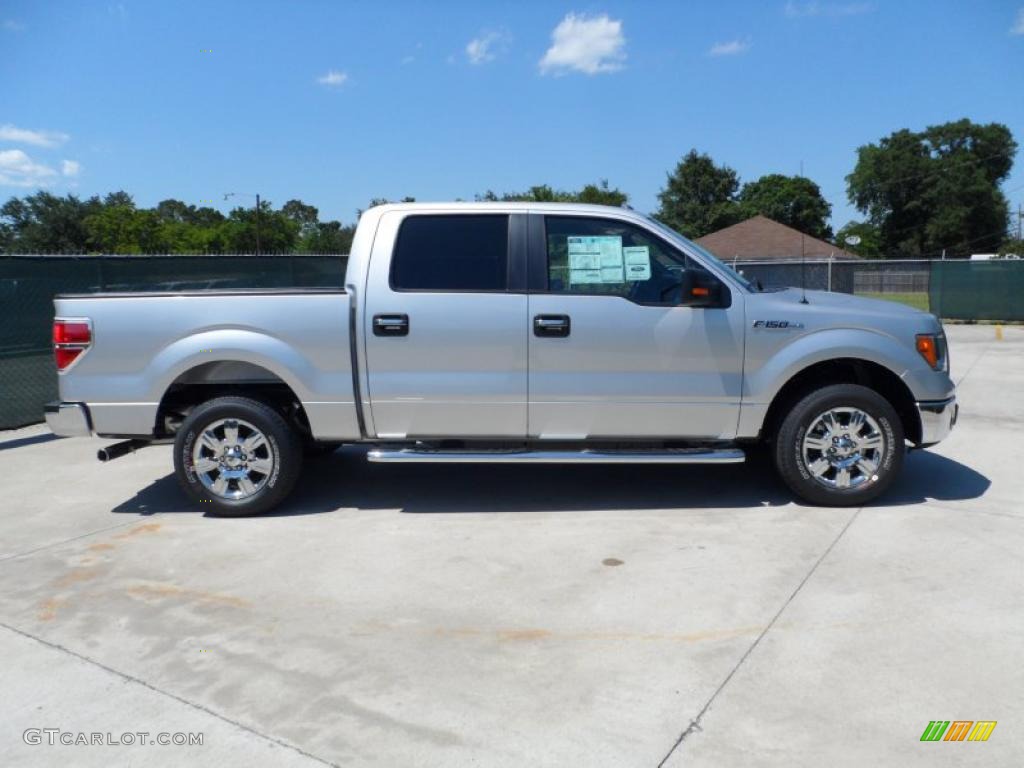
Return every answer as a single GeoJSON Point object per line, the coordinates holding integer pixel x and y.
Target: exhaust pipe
{"type": "Point", "coordinates": [117, 450]}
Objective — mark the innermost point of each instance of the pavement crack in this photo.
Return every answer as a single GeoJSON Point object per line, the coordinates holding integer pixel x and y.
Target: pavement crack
{"type": "Point", "coordinates": [695, 724]}
{"type": "Point", "coordinates": [168, 694]}
{"type": "Point", "coordinates": [66, 541]}
{"type": "Point", "coordinates": [971, 366]}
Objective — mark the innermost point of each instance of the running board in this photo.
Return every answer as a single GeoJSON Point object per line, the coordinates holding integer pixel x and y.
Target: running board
{"type": "Point", "coordinates": [667, 456]}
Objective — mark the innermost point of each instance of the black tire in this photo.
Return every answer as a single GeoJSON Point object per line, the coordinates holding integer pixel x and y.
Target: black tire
{"type": "Point", "coordinates": [789, 452]}
{"type": "Point", "coordinates": [282, 445]}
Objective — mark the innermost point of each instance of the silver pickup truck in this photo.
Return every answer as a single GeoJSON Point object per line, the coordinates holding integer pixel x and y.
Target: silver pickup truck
{"type": "Point", "coordinates": [507, 332]}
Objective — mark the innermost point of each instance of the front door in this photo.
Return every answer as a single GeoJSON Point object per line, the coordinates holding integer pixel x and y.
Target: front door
{"type": "Point", "coordinates": [445, 347]}
{"type": "Point", "coordinates": [614, 349]}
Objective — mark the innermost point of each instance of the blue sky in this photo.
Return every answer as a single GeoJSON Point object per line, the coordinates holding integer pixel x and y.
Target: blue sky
{"type": "Point", "coordinates": [336, 103]}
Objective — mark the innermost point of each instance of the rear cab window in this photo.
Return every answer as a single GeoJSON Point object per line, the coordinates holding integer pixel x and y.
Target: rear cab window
{"type": "Point", "coordinates": [451, 253]}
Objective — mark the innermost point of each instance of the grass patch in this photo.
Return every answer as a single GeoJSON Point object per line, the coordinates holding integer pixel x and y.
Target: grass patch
{"type": "Point", "coordinates": [915, 300]}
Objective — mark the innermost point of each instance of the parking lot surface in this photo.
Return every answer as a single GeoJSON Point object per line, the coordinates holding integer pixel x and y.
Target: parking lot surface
{"type": "Point", "coordinates": [512, 616]}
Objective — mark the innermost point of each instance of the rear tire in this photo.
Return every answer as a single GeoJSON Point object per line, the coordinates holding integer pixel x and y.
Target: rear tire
{"type": "Point", "coordinates": [840, 446]}
{"type": "Point", "coordinates": [235, 457]}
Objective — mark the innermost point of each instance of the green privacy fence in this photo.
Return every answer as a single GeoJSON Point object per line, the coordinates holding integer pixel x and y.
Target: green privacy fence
{"type": "Point", "coordinates": [953, 290]}
{"type": "Point", "coordinates": [28, 284]}
{"type": "Point", "coordinates": [977, 290]}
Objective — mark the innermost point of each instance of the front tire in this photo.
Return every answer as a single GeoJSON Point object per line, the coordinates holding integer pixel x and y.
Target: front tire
{"type": "Point", "coordinates": [840, 446]}
{"type": "Point", "coordinates": [235, 457]}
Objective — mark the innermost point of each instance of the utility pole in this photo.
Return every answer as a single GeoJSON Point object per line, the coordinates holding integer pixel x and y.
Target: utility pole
{"type": "Point", "coordinates": [250, 194]}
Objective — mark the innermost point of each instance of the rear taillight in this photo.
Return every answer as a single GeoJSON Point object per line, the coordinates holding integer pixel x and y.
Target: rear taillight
{"type": "Point", "coordinates": [71, 338]}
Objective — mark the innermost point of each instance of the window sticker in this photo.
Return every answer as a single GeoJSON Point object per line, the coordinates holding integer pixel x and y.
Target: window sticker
{"type": "Point", "coordinates": [637, 260]}
{"type": "Point", "coordinates": [595, 259]}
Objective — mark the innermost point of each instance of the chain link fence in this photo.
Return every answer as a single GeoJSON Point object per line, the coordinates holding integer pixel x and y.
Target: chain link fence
{"type": "Point", "coordinates": [28, 379]}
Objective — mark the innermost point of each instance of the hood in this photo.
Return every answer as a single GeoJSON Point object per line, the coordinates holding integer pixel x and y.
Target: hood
{"type": "Point", "coordinates": [824, 308]}
{"type": "Point", "coordinates": [849, 301]}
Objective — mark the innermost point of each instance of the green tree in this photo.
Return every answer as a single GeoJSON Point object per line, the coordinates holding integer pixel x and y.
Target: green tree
{"type": "Point", "coordinates": [870, 245]}
{"type": "Point", "coordinates": [602, 194]}
{"type": "Point", "coordinates": [936, 189]}
{"type": "Point", "coordinates": [113, 229]}
{"type": "Point", "coordinates": [45, 223]}
{"type": "Point", "coordinates": [795, 201]}
{"type": "Point", "coordinates": [1012, 246]}
{"type": "Point", "coordinates": [300, 213]}
{"type": "Point", "coordinates": [176, 210]}
{"type": "Point", "coordinates": [596, 194]}
{"type": "Point", "coordinates": [278, 233]}
{"type": "Point", "coordinates": [699, 197]}
{"type": "Point", "coordinates": [375, 201]}
{"type": "Point", "coordinates": [328, 237]}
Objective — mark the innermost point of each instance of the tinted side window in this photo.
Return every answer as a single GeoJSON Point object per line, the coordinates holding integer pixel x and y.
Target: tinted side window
{"type": "Point", "coordinates": [606, 256]}
{"type": "Point", "coordinates": [451, 253]}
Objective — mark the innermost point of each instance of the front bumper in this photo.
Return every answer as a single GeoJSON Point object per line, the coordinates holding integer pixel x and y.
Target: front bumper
{"type": "Point", "coordinates": [938, 417]}
{"type": "Point", "coordinates": [68, 419]}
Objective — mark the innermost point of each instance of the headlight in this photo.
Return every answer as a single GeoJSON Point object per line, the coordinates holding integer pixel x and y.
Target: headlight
{"type": "Point", "coordinates": [932, 347]}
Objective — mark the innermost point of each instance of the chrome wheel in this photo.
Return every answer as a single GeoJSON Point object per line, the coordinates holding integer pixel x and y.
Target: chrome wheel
{"type": "Point", "coordinates": [233, 459]}
{"type": "Point", "coordinates": [843, 449]}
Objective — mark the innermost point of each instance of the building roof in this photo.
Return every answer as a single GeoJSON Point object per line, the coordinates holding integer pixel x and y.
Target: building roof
{"type": "Point", "coordinates": [761, 238]}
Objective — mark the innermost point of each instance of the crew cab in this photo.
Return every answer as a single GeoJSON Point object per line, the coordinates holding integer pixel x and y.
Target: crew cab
{"type": "Point", "coordinates": [506, 332]}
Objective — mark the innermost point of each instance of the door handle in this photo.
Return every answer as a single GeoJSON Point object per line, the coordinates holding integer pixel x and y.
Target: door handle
{"type": "Point", "coordinates": [551, 325]}
{"type": "Point", "coordinates": [390, 325]}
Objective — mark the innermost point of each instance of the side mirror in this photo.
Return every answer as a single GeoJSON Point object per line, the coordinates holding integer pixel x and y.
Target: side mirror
{"type": "Point", "coordinates": [699, 293]}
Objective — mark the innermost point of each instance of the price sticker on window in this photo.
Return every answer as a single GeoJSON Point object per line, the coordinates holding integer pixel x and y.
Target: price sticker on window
{"type": "Point", "coordinates": [637, 262]}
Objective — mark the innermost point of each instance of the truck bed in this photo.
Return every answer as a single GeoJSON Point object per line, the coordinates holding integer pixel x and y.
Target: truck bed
{"type": "Point", "coordinates": [144, 343]}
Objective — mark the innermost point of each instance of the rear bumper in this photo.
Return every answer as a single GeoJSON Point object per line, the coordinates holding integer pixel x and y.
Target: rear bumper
{"type": "Point", "coordinates": [938, 417]}
{"type": "Point", "coordinates": [68, 419]}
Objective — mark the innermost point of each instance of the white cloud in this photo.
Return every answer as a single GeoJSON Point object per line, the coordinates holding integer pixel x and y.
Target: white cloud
{"type": "Point", "coordinates": [409, 59]}
{"type": "Point", "coordinates": [586, 45]}
{"type": "Point", "coordinates": [480, 50]}
{"type": "Point", "coordinates": [731, 48]}
{"type": "Point", "coordinates": [814, 8]}
{"type": "Point", "coordinates": [13, 26]}
{"type": "Point", "coordinates": [70, 167]}
{"type": "Point", "coordinates": [10, 132]}
{"type": "Point", "coordinates": [19, 170]}
{"type": "Point", "coordinates": [1018, 26]}
{"type": "Point", "coordinates": [333, 78]}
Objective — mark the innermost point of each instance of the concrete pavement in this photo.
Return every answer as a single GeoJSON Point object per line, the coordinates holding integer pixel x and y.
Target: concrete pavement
{"type": "Point", "coordinates": [508, 616]}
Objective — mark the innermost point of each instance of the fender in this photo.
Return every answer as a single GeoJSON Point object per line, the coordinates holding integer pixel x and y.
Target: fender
{"type": "Point", "coordinates": [326, 397]}
{"type": "Point", "coordinates": [230, 345]}
{"type": "Point", "coordinates": [762, 380]}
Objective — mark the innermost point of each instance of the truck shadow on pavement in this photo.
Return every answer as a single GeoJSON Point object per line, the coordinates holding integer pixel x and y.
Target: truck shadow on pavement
{"type": "Point", "coordinates": [345, 480]}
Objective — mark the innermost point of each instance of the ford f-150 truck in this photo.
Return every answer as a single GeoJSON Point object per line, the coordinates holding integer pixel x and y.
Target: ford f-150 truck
{"type": "Point", "coordinates": [507, 332]}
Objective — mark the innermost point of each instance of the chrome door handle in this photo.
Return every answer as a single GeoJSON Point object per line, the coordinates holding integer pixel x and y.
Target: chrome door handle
{"type": "Point", "coordinates": [551, 325]}
{"type": "Point", "coordinates": [390, 325]}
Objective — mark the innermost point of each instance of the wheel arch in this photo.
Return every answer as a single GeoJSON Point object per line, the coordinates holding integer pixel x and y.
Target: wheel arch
{"type": "Point", "coordinates": [845, 370]}
{"type": "Point", "coordinates": [221, 378]}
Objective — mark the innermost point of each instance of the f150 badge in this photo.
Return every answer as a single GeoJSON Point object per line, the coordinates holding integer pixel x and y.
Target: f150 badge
{"type": "Point", "coordinates": [783, 325]}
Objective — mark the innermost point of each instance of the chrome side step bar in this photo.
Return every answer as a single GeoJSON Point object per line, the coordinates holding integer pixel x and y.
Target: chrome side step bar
{"type": "Point", "coordinates": [666, 456]}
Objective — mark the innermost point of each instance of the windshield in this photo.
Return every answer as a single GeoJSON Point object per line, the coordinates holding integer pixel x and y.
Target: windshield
{"type": "Point", "coordinates": [704, 252]}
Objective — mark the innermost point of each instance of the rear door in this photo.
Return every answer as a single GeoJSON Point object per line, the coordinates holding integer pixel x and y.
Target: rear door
{"type": "Point", "coordinates": [444, 326]}
{"type": "Point", "coordinates": [617, 349]}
